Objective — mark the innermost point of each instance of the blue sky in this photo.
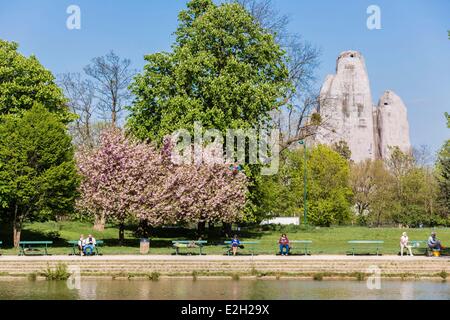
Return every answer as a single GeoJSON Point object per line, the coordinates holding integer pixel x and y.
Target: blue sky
{"type": "Point", "coordinates": [409, 55]}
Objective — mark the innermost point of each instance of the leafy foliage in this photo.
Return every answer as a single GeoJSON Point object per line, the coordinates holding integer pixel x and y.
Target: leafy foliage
{"type": "Point", "coordinates": [225, 71]}
{"type": "Point", "coordinates": [125, 178]}
{"type": "Point", "coordinates": [328, 187]}
{"type": "Point", "coordinates": [38, 177]}
{"type": "Point", "coordinates": [24, 82]}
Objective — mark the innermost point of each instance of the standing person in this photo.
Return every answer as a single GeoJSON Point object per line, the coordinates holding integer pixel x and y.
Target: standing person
{"type": "Point", "coordinates": [433, 243]}
{"type": "Point", "coordinates": [235, 243]}
{"type": "Point", "coordinates": [90, 243]}
{"type": "Point", "coordinates": [404, 243]}
{"type": "Point", "coordinates": [284, 244]}
{"type": "Point", "coordinates": [81, 244]}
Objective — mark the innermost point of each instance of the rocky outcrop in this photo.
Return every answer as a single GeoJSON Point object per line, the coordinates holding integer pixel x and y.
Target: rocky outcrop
{"type": "Point", "coordinates": [392, 124]}
{"type": "Point", "coordinates": [348, 113]}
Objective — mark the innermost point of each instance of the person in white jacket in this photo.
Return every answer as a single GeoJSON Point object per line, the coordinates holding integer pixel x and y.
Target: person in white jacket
{"type": "Point", "coordinates": [81, 244]}
{"type": "Point", "coordinates": [404, 243]}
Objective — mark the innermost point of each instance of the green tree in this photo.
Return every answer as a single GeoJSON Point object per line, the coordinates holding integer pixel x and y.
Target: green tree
{"type": "Point", "coordinates": [343, 149]}
{"type": "Point", "coordinates": [443, 176]}
{"type": "Point", "coordinates": [372, 187]}
{"type": "Point", "coordinates": [329, 189]}
{"type": "Point", "coordinates": [38, 178]}
{"type": "Point", "coordinates": [24, 82]}
{"type": "Point", "coordinates": [225, 71]}
{"type": "Point", "coordinates": [329, 192]}
{"type": "Point", "coordinates": [415, 190]}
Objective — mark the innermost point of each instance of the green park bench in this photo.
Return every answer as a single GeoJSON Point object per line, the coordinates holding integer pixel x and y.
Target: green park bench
{"type": "Point", "coordinates": [365, 246]}
{"type": "Point", "coordinates": [419, 247]}
{"type": "Point", "coordinates": [34, 247]}
{"type": "Point", "coordinates": [188, 244]}
{"type": "Point", "coordinates": [302, 245]}
{"type": "Point", "coordinates": [251, 244]}
{"type": "Point", "coordinates": [76, 252]}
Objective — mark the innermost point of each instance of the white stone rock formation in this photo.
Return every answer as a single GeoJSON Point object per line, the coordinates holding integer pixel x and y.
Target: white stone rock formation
{"type": "Point", "coordinates": [348, 113]}
{"type": "Point", "coordinates": [392, 124]}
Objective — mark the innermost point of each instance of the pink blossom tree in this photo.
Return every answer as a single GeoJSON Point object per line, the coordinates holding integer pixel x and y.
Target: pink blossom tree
{"type": "Point", "coordinates": [207, 192]}
{"type": "Point", "coordinates": [114, 176]}
{"type": "Point", "coordinates": [124, 178]}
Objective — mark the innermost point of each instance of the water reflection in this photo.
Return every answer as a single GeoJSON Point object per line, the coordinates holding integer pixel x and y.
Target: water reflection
{"type": "Point", "coordinates": [180, 289]}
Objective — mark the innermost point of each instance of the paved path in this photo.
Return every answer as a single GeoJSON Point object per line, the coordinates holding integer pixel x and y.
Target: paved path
{"type": "Point", "coordinates": [221, 258]}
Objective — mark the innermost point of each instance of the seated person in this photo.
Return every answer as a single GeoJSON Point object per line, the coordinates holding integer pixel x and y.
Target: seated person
{"type": "Point", "coordinates": [404, 243]}
{"type": "Point", "coordinates": [81, 244]}
{"type": "Point", "coordinates": [433, 243]}
{"type": "Point", "coordinates": [235, 243]}
{"type": "Point", "coordinates": [89, 245]}
{"type": "Point", "coordinates": [284, 244]}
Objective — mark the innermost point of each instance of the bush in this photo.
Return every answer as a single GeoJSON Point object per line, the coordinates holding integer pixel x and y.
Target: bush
{"type": "Point", "coordinates": [59, 273]}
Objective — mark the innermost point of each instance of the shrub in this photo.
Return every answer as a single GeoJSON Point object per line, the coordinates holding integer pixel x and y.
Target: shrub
{"type": "Point", "coordinates": [58, 273]}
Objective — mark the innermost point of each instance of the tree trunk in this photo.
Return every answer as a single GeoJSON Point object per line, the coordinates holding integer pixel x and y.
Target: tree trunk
{"type": "Point", "coordinates": [210, 227]}
{"type": "Point", "coordinates": [201, 228]}
{"type": "Point", "coordinates": [121, 233]}
{"type": "Point", "coordinates": [144, 229]}
{"type": "Point", "coordinates": [17, 228]}
{"type": "Point", "coordinates": [100, 221]}
{"type": "Point", "coordinates": [113, 118]}
{"type": "Point", "coordinates": [227, 230]}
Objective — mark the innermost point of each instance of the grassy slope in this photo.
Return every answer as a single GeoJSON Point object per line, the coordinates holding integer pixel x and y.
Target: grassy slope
{"type": "Point", "coordinates": [325, 240]}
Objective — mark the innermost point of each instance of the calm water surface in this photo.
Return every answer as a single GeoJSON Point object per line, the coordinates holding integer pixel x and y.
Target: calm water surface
{"type": "Point", "coordinates": [178, 289]}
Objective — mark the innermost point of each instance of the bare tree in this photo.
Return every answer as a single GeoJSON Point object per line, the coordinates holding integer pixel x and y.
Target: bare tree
{"type": "Point", "coordinates": [299, 116]}
{"type": "Point", "coordinates": [81, 94]}
{"type": "Point", "coordinates": [423, 155]}
{"type": "Point", "coordinates": [112, 76]}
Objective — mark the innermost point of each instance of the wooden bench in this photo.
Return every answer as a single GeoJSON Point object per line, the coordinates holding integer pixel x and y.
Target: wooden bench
{"type": "Point", "coordinates": [251, 243]}
{"type": "Point", "coordinates": [76, 251]}
{"type": "Point", "coordinates": [369, 245]}
{"type": "Point", "coordinates": [304, 246]}
{"type": "Point", "coordinates": [188, 244]}
{"type": "Point", "coordinates": [34, 247]}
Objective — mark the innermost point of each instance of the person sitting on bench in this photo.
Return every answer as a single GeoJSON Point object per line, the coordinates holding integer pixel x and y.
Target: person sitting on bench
{"type": "Point", "coordinates": [433, 243]}
{"type": "Point", "coordinates": [89, 245]}
{"type": "Point", "coordinates": [235, 243]}
{"type": "Point", "coordinates": [81, 244]}
{"type": "Point", "coordinates": [404, 243]}
{"type": "Point", "coordinates": [284, 244]}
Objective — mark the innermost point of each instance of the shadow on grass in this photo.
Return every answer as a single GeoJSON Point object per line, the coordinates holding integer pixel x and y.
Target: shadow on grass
{"type": "Point", "coordinates": [30, 235]}
{"type": "Point", "coordinates": [161, 237]}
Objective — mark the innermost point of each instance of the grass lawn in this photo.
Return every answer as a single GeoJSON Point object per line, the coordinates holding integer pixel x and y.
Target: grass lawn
{"type": "Point", "coordinates": [325, 240]}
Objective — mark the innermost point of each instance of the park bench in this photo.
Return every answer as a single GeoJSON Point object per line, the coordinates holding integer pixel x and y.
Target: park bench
{"type": "Point", "coordinates": [76, 252]}
{"type": "Point", "coordinates": [421, 247]}
{"type": "Point", "coordinates": [365, 246]}
{"type": "Point", "coordinates": [188, 244]}
{"type": "Point", "coordinates": [251, 244]}
{"type": "Point", "coordinates": [302, 245]}
{"type": "Point", "coordinates": [34, 247]}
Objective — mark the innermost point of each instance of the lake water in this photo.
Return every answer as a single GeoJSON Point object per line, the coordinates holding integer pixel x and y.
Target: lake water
{"type": "Point", "coordinates": [212, 289]}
